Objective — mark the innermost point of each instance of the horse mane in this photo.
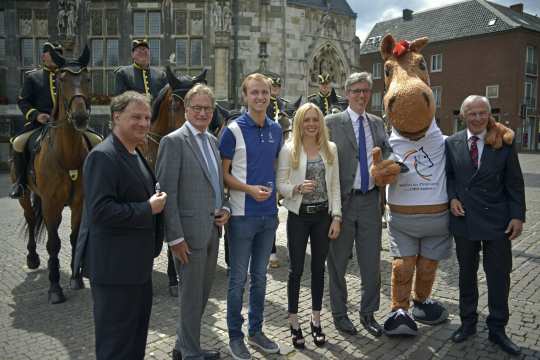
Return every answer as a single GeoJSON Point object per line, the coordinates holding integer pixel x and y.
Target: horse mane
{"type": "Point", "coordinates": [156, 103]}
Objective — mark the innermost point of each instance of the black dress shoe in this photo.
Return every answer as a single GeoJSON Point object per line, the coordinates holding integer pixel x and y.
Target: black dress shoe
{"type": "Point", "coordinates": [344, 324]}
{"type": "Point", "coordinates": [371, 325]}
{"type": "Point", "coordinates": [504, 342]}
{"type": "Point", "coordinates": [207, 354]}
{"type": "Point", "coordinates": [463, 333]}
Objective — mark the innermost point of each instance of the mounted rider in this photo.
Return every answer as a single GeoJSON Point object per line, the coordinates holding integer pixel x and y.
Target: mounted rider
{"type": "Point", "coordinates": [36, 101]}
{"type": "Point", "coordinates": [140, 76]}
{"type": "Point", "coordinates": [277, 103]}
{"type": "Point", "coordinates": [326, 99]}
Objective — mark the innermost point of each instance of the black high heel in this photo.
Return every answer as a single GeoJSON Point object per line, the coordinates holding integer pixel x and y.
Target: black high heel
{"type": "Point", "coordinates": [319, 338]}
{"type": "Point", "coordinates": [297, 338]}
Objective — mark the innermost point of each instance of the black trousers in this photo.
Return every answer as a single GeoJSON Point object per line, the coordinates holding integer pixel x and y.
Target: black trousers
{"type": "Point", "coordinates": [300, 228]}
{"type": "Point", "coordinates": [497, 263]}
{"type": "Point", "coordinates": [121, 316]}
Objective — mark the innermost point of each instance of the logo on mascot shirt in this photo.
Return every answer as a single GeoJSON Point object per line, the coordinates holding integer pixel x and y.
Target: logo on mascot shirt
{"type": "Point", "coordinates": [421, 162]}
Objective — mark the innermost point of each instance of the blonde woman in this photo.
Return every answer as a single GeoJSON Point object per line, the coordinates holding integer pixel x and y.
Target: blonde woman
{"type": "Point", "coordinates": [308, 179]}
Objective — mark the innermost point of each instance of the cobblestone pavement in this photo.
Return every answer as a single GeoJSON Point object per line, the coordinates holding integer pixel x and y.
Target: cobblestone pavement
{"type": "Point", "coordinates": [32, 329]}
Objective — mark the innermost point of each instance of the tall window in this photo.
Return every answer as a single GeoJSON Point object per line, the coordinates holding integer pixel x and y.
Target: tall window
{"type": "Point", "coordinates": [104, 38]}
{"type": "Point", "coordinates": [437, 94]}
{"type": "Point", "coordinates": [147, 24]}
{"type": "Point", "coordinates": [436, 63]}
{"type": "Point", "coordinates": [377, 70]}
{"type": "Point", "coordinates": [188, 35]}
{"type": "Point", "coordinates": [531, 61]}
{"type": "Point", "coordinates": [32, 26]}
{"type": "Point", "coordinates": [530, 93]}
{"type": "Point", "coordinates": [376, 101]}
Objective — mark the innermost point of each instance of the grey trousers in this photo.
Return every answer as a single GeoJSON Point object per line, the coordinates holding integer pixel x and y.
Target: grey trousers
{"type": "Point", "coordinates": [361, 226]}
{"type": "Point", "coordinates": [196, 277]}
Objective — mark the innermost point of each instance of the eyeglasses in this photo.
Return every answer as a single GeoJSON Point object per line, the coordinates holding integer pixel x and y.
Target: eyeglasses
{"type": "Point", "coordinates": [477, 114]}
{"type": "Point", "coordinates": [199, 109]}
{"type": "Point", "coordinates": [360, 91]}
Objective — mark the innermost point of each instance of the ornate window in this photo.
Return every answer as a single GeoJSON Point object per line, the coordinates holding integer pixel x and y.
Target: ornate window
{"type": "Point", "coordinates": [32, 26]}
{"type": "Point", "coordinates": [327, 61]}
{"type": "Point", "coordinates": [104, 41]}
{"type": "Point", "coordinates": [188, 37]}
{"type": "Point", "coordinates": [147, 24]}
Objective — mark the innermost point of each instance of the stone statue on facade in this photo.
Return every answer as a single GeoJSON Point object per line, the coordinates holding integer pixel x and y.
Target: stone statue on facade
{"type": "Point", "coordinates": [67, 19]}
{"type": "Point", "coordinates": [221, 16]}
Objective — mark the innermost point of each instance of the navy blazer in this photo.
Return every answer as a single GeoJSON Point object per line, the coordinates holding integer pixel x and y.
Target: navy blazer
{"type": "Point", "coordinates": [119, 236]}
{"type": "Point", "coordinates": [491, 195]}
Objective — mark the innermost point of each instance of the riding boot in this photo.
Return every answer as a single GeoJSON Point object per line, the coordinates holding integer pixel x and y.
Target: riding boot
{"type": "Point", "coordinates": [19, 162]}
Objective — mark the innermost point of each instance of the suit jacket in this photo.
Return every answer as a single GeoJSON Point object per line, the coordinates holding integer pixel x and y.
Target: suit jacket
{"type": "Point", "coordinates": [491, 195]}
{"type": "Point", "coordinates": [131, 78]}
{"type": "Point", "coordinates": [183, 175]}
{"type": "Point", "coordinates": [342, 133]}
{"type": "Point", "coordinates": [288, 178]}
{"type": "Point", "coordinates": [119, 236]}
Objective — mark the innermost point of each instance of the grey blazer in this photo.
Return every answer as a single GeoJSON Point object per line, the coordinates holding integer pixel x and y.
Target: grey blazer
{"type": "Point", "coordinates": [182, 173]}
{"type": "Point", "coordinates": [342, 133]}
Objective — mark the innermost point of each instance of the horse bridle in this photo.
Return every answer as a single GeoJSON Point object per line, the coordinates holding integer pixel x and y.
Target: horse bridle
{"type": "Point", "coordinates": [156, 138]}
{"type": "Point", "coordinates": [68, 103]}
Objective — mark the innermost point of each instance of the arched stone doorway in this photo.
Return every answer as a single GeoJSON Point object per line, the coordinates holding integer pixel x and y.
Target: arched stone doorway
{"type": "Point", "coordinates": [327, 60]}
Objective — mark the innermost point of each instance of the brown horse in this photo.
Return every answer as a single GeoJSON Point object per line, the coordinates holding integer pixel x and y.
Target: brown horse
{"type": "Point", "coordinates": [57, 165]}
{"type": "Point", "coordinates": [168, 114]}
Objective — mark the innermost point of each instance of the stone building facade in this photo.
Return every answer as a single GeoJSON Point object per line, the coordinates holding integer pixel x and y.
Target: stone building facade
{"type": "Point", "coordinates": [296, 39]}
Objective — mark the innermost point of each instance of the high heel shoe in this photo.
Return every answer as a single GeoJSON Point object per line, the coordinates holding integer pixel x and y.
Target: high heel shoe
{"type": "Point", "coordinates": [297, 338]}
{"type": "Point", "coordinates": [319, 338]}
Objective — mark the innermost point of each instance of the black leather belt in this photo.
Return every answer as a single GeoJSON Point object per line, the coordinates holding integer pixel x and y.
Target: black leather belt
{"type": "Point", "coordinates": [314, 208]}
{"type": "Point", "coordinates": [359, 192]}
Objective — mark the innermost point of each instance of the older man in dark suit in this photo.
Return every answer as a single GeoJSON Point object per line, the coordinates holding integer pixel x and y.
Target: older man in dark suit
{"type": "Point", "coordinates": [356, 133]}
{"type": "Point", "coordinates": [487, 202]}
{"type": "Point", "coordinates": [189, 170]}
{"type": "Point", "coordinates": [121, 231]}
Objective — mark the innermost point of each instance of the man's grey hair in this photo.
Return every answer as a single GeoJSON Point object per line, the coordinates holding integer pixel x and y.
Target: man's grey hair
{"type": "Point", "coordinates": [199, 89]}
{"type": "Point", "coordinates": [471, 99]}
{"type": "Point", "coordinates": [356, 78]}
{"type": "Point", "coordinates": [120, 103]}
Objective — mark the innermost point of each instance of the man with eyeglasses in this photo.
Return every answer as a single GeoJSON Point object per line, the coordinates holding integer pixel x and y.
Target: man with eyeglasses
{"type": "Point", "coordinates": [189, 169]}
{"type": "Point", "coordinates": [487, 203]}
{"type": "Point", "coordinates": [356, 133]}
{"type": "Point", "coordinates": [140, 76]}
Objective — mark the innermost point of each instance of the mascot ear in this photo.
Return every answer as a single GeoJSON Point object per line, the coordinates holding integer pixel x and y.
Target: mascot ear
{"type": "Point", "coordinates": [387, 46]}
{"type": "Point", "coordinates": [418, 44]}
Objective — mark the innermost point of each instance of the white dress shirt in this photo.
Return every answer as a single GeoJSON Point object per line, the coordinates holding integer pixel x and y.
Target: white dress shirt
{"type": "Point", "coordinates": [369, 146]}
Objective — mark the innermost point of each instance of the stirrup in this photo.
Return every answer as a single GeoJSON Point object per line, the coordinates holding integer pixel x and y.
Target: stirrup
{"type": "Point", "coordinates": [17, 191]}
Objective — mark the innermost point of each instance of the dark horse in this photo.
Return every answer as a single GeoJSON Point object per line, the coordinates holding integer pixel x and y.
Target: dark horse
{"type": "Point", "coordinates": [168, 114]}
{"type": "Point", "coordinates": [57, 166]}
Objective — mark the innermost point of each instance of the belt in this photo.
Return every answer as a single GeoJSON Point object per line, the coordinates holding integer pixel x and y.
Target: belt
{"type": "Point", "coordinates": [313, 208]}
{"type": "Point", "coordinates": [359, 192]}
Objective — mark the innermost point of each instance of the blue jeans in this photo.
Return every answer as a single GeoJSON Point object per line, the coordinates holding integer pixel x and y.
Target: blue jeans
{"type": "Point", "coordinates": [250, 244]}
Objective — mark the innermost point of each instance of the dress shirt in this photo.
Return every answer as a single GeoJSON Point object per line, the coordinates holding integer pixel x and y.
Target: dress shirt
{"type": "Point", "coordinates": [369, 146]}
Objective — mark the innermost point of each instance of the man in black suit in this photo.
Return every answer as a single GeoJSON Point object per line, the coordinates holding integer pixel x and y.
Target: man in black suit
{"type": "Point", "coordinates": [140, 76]}
{"type": "Point", "coordinates": [487, 201]}
{"type": "Point", "coordinates": [121, 231]}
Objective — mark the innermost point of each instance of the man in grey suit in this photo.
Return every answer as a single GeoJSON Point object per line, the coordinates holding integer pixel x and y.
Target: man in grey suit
{"type": "Point", "coordinates": [188, 168]}
{"type": "Point", "coordinates": [356, 133]}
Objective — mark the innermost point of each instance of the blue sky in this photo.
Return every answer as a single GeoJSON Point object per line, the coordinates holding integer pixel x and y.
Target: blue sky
{"type": "Point", "coordinates": [370, 12]}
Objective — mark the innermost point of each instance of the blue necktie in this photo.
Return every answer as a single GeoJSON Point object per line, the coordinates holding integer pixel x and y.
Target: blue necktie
{"type": "Point", "coordinates": [362, 156]}
{"type": "Point", "coordinates": [214, 177]}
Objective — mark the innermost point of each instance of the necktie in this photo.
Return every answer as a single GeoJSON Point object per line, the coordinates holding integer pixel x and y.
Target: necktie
{"type": "Point", "coordinates": [214, 177]}
{"type": "Point", "coordinates": [362, 156]}
{"type": "Point", "coordinates": [474, 151]}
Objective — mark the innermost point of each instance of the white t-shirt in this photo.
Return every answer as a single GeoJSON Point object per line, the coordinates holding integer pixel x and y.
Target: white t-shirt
{"type": "Point", "coordinates": [425, 182]}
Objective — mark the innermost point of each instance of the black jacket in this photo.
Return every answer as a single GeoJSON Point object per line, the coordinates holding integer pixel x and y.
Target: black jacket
{"type": "Point", "coordinates": [119, 236]}
{"type": "Point", "coordinates": [491, 195]}
{"type": "Point", "coordinates": [277, 105]}
{"type": "Point", "coordinates": [38, 94]}
{"type": "Point", "coordinates": [132, 77]}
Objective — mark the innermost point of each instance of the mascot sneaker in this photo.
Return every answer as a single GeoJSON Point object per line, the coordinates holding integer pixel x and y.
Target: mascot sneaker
{"type": "Point", "coordinates": [399, 322]}
{"type": "Point", "coordinates": [429, 312]}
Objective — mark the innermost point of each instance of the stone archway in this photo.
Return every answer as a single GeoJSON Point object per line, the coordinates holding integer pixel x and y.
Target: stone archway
{"type": "Point", "coordinates": [327, 59]}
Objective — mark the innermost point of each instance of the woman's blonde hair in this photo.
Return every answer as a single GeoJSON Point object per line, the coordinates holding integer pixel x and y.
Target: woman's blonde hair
{"type": "Point", "coordinates": [297, 135]}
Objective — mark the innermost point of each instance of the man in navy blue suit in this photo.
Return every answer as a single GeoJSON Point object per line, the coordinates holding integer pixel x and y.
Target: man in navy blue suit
{"type": "Point", "coordinates": [487, 201]}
